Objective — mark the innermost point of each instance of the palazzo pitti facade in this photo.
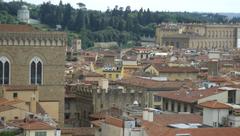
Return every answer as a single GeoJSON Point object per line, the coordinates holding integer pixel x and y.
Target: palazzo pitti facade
{"type": "Point", "coordinates": [199, 36]}
{"type": "Point", "coordinates": [29, 57]}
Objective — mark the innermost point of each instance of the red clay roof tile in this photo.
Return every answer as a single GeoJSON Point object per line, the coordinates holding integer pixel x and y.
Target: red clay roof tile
{"type": "Point", "coordinates": [214, 105]}
{"type": "Point", "coordinates": [114, 121]}
{"type": "Point", "coordinates": [189, 96]}
{"type": "Point", "coordinates": [151, 84]}
{"type": "Point", "coordinates": [206, 132]}
{"type": "Point", "coordinates": [159, 127]}
{"type": "Point", "coordinates": [34, 125]}
{"type": "Point", "coordinates": [16, 28]}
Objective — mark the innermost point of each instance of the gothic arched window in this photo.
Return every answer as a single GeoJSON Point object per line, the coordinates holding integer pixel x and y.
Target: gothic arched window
{"type": "Point", "coordinates": [36, 71]}
{"type": "Point", "coordinates": [4, 70]}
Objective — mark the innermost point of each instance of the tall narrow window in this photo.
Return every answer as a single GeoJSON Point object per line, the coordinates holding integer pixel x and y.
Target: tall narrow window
{"type": "Point", "coordinates": [6, 73]}
{"type": "Point", "coordinates": [33, 72]}
{"type": "Point", "coordinates": [39, 73]}
{"type": "Point", "coordinates": [4, 70]}
{"type": "Point", "coordinates": [36, 71]}
{"type": "Point", "coordinates": [1, 72]}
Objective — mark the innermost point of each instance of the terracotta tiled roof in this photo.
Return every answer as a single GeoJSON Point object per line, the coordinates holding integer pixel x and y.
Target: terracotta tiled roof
{"type": "Point", "coordinates": [159, 127]}
{"type": "Point", "coordinates": [205, 132]}
{"type": "Point", "coordinates": [189, 96]}
{"type": "Point", "coordinates": [147, 65]}
{"type": "Point", "coordinates": [16, 28]}
{"type": "Point", "coordinates": [217, 79]}
{"type": "Point", "coordinates": [82, 131]}
{"type": "Point", "coordinates": [34, 125]}
{"type": "Point", "coordinates": [214, 105]}
{"type": "Point", "coordinates": [20, 88]}
{"type": "Point", "coordinates": [3, 100]}
{"type": "Point", "coordinates": [156, 129]}
{"type": "Point", "coordinates": [162, 69]}
{"type": "Point", "coordinates": [151, 84]}
{"type": "Point", "coordinates": [166, 119]}
{"type": "Point", "coordinates": [6, 108]}
{"type": "Point", "coordinates": [6, 102]}
{"type": "Point", "coordinates": [114, 121]}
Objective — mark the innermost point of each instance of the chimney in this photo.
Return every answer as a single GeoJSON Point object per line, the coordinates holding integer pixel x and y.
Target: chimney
{"type": "Point", "coordinates": [103, 84]}
{"type": "Point", "coordinates": [145, 114]}
{"type": "Point", "coordinates": [150, 115]}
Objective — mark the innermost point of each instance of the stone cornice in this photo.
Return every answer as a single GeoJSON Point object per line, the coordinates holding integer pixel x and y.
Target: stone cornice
{"type": "Point", "coordinates": [33, 39]}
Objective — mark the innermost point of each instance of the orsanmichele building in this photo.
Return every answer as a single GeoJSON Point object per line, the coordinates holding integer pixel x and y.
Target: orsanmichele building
{"type": "Point", "coordinates": [199, 36]}
{"type": "Point", "coordinates": [33, 61]}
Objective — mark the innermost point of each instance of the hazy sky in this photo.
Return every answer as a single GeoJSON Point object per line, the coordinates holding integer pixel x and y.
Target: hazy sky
{"type": "Point", "coordinates": [160, 5]}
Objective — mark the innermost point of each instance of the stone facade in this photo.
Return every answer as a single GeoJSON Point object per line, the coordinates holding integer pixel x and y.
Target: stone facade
{"type": "Point", "coordinates": [198, 36]}
{"type": "Point", "coordinates": [78, 104]}
{"type": "Point", "coordinates": [85, 99]}
{"type": "Point", "coordinates": [120, 97]}
{"type": "Point", "coordinates": [172, 73]}
{"type": "Point", "coordinates": [21, 47]}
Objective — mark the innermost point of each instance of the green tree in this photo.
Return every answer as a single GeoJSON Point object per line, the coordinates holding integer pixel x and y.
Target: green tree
{"type": "Point", "coordinates": [7, 134]}
{"type": "Point", "coordinates": [117, 24]}
{"type": "Point", "coordinates": [67, 16]}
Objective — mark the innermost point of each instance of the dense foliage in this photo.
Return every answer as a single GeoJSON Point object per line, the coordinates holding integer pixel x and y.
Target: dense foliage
{"type": "Point", "coordinates": [118, 24]}
{"type": "Point", "coordinates": [8, 11]}
{"type": "Point", "coordinates": [7, 18]}
{"type": "Point", "coordinates": [7, 133]}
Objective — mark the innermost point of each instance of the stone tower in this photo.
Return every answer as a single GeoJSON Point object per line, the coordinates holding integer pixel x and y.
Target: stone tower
{"type": "Point", "coordinates": [32, 57]}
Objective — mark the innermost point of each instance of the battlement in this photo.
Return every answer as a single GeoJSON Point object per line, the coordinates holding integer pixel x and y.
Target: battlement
{"type": "Point", "coordinates": [33, 39]}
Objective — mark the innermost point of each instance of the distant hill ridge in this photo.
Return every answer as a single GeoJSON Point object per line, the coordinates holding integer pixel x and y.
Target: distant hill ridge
{"type": "Point", "coordinates": [119, 24]}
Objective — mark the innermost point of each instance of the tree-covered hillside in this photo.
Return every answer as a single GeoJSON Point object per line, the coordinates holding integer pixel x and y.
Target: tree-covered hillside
{"type": "Point", "coordinates": [119, 24]}
{"type": "Point", "coordinates": [8, 11]}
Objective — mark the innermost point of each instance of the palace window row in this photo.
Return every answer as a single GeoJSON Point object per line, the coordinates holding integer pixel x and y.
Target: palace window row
{"type": "Point", "coordinates": [35, 71]}
{"type": "Point", "coordinates": [4, 70]}
{"type": "Point", "coordinates": [220, 34]}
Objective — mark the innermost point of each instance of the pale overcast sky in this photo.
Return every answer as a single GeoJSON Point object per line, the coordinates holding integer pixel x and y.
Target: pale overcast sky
{"type": "Point", "coordinates": [160, 5]}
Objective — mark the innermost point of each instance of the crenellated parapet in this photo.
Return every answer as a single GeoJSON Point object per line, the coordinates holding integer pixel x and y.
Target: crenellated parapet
{"type": "Point", "coordinates": [33, 39]}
